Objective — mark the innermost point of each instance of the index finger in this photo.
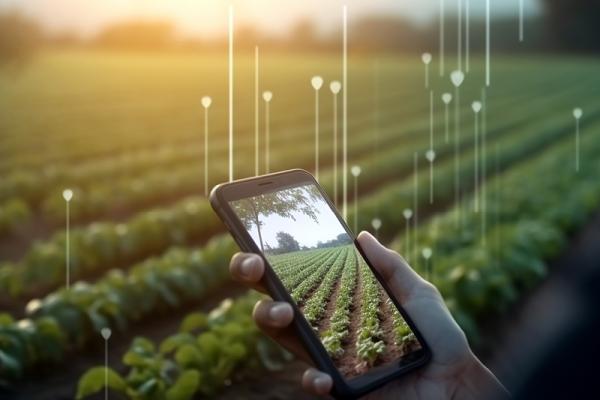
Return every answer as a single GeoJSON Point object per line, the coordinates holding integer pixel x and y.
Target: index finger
{"type": "Point", "coordinates": [248, 269]}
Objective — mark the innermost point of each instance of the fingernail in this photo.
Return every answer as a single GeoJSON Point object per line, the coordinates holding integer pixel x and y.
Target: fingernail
{"type": "Point", "coordinates": [278, 311]}
{"type": "Point", "coordinates": [322, 384]}
{"type": "Point", "coordinates": [247, 266]}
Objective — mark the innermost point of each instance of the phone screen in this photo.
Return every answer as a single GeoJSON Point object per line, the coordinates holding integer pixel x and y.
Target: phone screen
{"type": "Point", "coordinates": [316, 260]}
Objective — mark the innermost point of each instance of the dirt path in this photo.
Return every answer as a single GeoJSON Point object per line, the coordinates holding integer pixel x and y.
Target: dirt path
{"type": "Point", "coordinates": [348, 361]}
{"type": "Point", "coordinates": [53, 383]}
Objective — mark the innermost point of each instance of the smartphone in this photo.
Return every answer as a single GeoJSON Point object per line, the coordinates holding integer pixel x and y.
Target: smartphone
{"type": "Point", "coordinates": [344, 316]}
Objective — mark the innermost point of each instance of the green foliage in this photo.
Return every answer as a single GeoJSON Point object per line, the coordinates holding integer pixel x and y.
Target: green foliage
{"type": "Point", "coordinates": [95, 380]}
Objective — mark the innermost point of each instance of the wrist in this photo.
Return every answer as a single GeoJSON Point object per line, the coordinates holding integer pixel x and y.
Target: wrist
{"type": "Point", "coordinates": [478, 382]}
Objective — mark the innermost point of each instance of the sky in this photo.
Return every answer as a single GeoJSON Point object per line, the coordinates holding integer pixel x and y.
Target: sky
{"type": "Point", "coordinates": [305, 230]}
{"type": "Point", "coordinates": [208, 17]}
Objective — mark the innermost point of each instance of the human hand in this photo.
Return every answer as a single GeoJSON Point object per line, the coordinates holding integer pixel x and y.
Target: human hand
{"type": "Point", "coordinates": [454, 371]}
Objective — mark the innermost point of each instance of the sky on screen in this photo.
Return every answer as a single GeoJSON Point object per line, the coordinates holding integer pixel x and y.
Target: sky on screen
{"type": "Point", "coordinates": [305, 230]}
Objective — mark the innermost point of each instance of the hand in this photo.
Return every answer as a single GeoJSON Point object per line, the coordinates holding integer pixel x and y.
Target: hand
{"type": "Point", "coordinates": [454, 372]}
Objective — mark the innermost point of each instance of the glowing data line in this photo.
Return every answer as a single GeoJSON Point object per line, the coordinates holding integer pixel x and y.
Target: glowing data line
{"type": "Point", "coordinates": [407, 213]}
{"type": "Point", "coordinates": [416, 205]}
{"type": "Point", "coordinates": [267, 97]}
{"type": "Point", "coordinates": [335, 88]}
{"type": "Point", "coordinates": [487, 43]}
{"type": "Point", "coordinates": [459, 45]}
{"type": "Point", "coordinates": [426, 58]}
{"type": "Point", "coordinates": [484, 165]}
{"type": "Point", "coordinates": [446, 99]}
{"type": "Point", "coordinates": [345, 112]}
{"type": "Point", "coordinates": [467, 34]}
{"type": "Point", "coordinates": [376, 224]}
{"type": "Point", "coordinates": [577, 113]}
{"type": "Point", "coordinates": [476, 109]}
{"type": "Point", "coordinates": [206, 102]}
{"type": "Point", "coordinates": [356, 171]}
{"type": "Point", "coordinates": [521, 22]}
{"type": "Point", "coordinates": [67, 196]}
{"type": "Point", "coordinates": [256, 124]}
{"type": "Point", "coordinates": [317, 83]}
{"type": "Point", "coordinates": [442, 38]}
{"type": "Point", "coordinates": [457, 78]}
{"type": "Point", "coordinates": [230, 79]}
{"type": "Point", "coordinates": [105, 333]}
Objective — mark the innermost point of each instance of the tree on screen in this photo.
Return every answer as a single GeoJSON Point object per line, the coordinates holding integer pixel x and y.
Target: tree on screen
{"type": "Point", "coordinates": [286, 242]}
{"type": "Point", "coordinates": [284, 203]}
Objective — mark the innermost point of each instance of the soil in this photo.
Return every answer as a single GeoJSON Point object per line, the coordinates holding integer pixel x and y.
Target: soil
{"type": "Point", "coordinates": [348, 361]}
{"type": "Point", "coordinates": [392, 350]}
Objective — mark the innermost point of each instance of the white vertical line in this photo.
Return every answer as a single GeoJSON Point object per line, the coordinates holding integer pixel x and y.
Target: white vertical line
{"type": "Point", "coordinates": [68, 249]}
{"type": "Point", "coordinates": [460, 35]}
{"type": "Point", "coordinates": [268, 137]}
{"type": "Point", "coordinates": [317, 134]}
{"type": "Point", "coordinates": [577, 146]}
{"type": "Point", "coordinates": [206, 151]}
{"type": "Point", "coordinates": [335, 150]}
{"type": "Point", "coordinates": [345, 110]}
{"type": "Point", "coordinates": [442, 38]}
{"type": "Point", "coordinates": [356, 205]}
{"type": "Point", "coordinates": [416, 207]}
{"type": "Point", "coordinates": [468, 34]}
{"type": "Point", "coordinates": [230, 93]}
{"type": "Point", "coordinates": [431, 119]}
{"type": "Point", "coordinates": [483, 165]}
{"type": "Point", "coordinates": [521, 22]}
{"type": "Point", "coordinates": [256, 89]}
{"type": "Point", "coordinates": [476, 174]}
{"type": "Point", "coordinates": [105, 369]}
{"type": "Point", "coordinates": [487, 43]}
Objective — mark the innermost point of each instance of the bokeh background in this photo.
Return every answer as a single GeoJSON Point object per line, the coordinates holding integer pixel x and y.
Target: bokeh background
{"type": "Point", "coordinates": [104, 98]}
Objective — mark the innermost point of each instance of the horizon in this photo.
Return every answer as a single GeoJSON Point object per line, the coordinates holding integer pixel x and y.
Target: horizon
{"type": "Point", "coordinates": [209, 20]}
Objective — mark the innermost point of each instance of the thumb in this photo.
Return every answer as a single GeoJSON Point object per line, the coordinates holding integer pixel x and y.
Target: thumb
{"type": "Point", "coordinates": [401, 279]}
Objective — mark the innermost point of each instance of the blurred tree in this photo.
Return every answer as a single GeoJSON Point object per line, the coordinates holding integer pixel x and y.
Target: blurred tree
{"type": "Point", "coordinates": [142, 35]}
{"type": "Point", "coordinates": [19, 38]}
{"type": "Point", "coordinates": [286, 242]}
{"type": "Point", "coordinates": [574, 24]}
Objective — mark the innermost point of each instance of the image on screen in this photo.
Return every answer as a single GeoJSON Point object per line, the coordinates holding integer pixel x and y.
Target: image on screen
{"type": "Point", "coordinates": [316, 260]}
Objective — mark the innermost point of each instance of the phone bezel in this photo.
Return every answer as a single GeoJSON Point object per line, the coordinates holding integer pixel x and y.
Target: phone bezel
{"type": "Point", "coordinates": [220, 197]}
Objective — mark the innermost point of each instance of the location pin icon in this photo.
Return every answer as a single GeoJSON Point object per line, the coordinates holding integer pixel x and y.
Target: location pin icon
{"type": "Point", "coordinates": [446, 98]}
{"type": "Point", "coordinates": [106, 332]}
{"type": "Point", "coordinates": [430, 155]}
{"type": "Point", "coordinates": [426, 58]}
{"type": "Point", "coordinates": [67, 194]}
{"type": "Point", "coordinates": [578, 113]}
{"type": "Point", "coordinates": [407, 213]}
{"type": "Point", "coordinates": [457, 77]}
{"type": "Point", "coordinates": [476, 106]}
{"type": "Point", "coordinates": [316, 82]}
{"type": "Point", "coordinates": [376, 223]}
{"type": "Point", "coordinates": [335, 87]}
{"type": "Point", "coordinates": [267, 96]}
{"type": "Point", "coordinates": [206, 101]}
{"type": "Point", "coordinates": [427, 253]}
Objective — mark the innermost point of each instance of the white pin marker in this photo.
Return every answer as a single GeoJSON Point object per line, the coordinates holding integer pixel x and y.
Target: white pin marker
{"type": "Point", "coordinates": [457, 78]}
{"type": "Point", "coordinates": [256, 112]}
{"type": "Point", "coordinates": [376, 224]}
{"type": "Point", "coordinates": [67, 195]}
{"type": "Point", "coordinates": [206, 102]}
{"type": "Point", "coordinates": [335, 88]}
{"type": "Point", "coordinates": [356, 171]}
{"type": "Point", "coordinates": [577, 113]}
{"type": "Point", "coordinates": [467, 35]}
{"type": "Point", "coordinates": [442, 38]}
{"type": "Point", "coordinates": [487, 43]}
{"type": "Point", "coordinates": [267, 97]}
{"type": "Point", "coordinates": [447, 99]}
{"type": "Point", "coordinates": [427, 253]}
{"type": "Point", "coordinates": [345, 111]}
{"type": "Point", "coordinates": [317, 83]}
{"type": "Point", "coordinates": [521, 22]}
{"type": "Point", "coordinates": [426, 58]}
{"type": "Point", "coordinates": [476, 106]}
{"type": "Point", "coordinates": [407, 214]}
{"type": "Point", "coordinates": [106, 333]}
{"type": "Point", "coordinates": [430, 156]}
{"type": "Point", "coordinates": [230, 79]}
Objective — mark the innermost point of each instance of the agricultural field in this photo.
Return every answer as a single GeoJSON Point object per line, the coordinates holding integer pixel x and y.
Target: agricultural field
{"type": "Point", "coordinates": [149, 259]}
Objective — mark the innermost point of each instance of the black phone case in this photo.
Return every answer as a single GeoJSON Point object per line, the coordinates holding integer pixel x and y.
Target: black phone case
{"type": "Point", "coordinates": [342, 389]}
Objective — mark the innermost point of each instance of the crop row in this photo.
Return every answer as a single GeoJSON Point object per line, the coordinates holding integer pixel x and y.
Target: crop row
{"type": "Point", "coordinates": [294, 268]}
{"type": "Point", "coordinates": [194, 218]}
{"type": "Point", "coordinates": [313, 281]}
{"type": "Point", "coordinates": [315, 306]}
{"type": "Point", "coordinates": [128, 191]}
{"type": "Point", "coordinates": [68, 319]}
{"type": "Point", "coordinates": [369, 340]}
{"type": "Point", "coordinates": [481, 269]}
{"type": "Point", "coordinates": [339, 324]}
